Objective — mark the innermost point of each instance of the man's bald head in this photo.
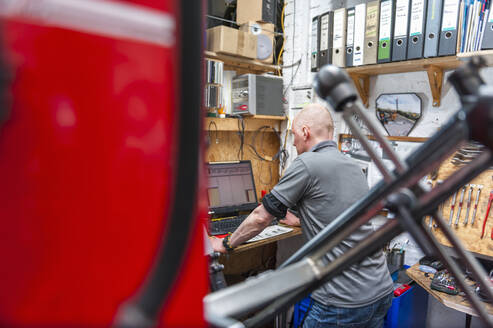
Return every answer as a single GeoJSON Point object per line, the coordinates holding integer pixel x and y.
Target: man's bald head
{"type": "Point", "coordinates": [318, 119]}
{"type": "Point", "coordinates": [312, 125]}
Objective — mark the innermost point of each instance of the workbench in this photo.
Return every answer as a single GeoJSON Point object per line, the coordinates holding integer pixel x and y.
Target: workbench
{"type": "Point", "coordinates": [456, 302]}
{"type": "Point", "coordinates": [252, 258]}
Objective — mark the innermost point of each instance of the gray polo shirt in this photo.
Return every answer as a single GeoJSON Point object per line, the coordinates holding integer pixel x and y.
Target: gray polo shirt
{"type": "Point", "coordinates": [323, 183]}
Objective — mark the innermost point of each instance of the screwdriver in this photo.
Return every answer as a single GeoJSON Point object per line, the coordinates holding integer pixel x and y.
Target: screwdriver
{"type": "Point", "coordinates": [452, 205]}
{"type": "Point", "coordinates": [469, 203]}
{"type": "Point", "coordinates": [460, 205]}
{"type": "Point", "coordinates": [487, 213]}
{"type": "Point", "coordinates": [476, 204]}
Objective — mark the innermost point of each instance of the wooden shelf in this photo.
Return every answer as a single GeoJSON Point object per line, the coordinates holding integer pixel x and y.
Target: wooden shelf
{"type": "Point", "coordinates": [242, 65]}
{"type": "Point", "coordinates": [252, 123]}
{"type": "Point", "coordinates": [486, 54]}
{"type": "Point", "coordinates": [433, 66]}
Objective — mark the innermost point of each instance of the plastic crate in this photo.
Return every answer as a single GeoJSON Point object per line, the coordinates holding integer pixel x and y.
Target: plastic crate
{"type": "Point", "coordinates": [409, 309]}
{"type": "Point", "coordinates": [300, 310]}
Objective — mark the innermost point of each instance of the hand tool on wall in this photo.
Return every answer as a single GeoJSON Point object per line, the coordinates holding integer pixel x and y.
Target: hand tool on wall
{"type": "Point", "coordinates": [452, 205]}
{"type": "Point", "coordinates": [430, 218]}
{"type": "Point", "coordinates": [460, 205]}
{"type": "Point", "coordinates": [476, 204]}
{"type": "Point", "coordinates": [469, 203]}
{"type": "Point", "coordinates": [487, 213]}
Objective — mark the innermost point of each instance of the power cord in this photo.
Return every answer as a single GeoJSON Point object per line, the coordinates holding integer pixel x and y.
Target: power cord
{"type": "Point", "coordinates": [281, 154]}
{"type": "Point", "coordinates": [211, 124]}
{"type": "Point", "coordinates": [241, 134]}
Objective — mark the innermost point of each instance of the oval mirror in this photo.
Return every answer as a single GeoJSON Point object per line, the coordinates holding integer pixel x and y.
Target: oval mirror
{"type": "Point", "coordinates": [398, 112]}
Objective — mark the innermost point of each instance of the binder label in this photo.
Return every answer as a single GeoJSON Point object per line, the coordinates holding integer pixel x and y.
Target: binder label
{"type": "Point", "coordinates": [324, 33]}
{"type": "Point", "coordinates": [338, 28]}
{"type": "Point", "coordinates": [350, 27]}
{"type": "Point", "coordinates": [450, 12]}
{"type": "Point", "coordinates": [401, 12]}
{"type": "Point", "coordinates": [490, 20]}
{"type": "Point", "coordinates": [416, 26]}
{"type": "Point", "coordinates": [385, 20]}
{"type": "Point", "coordinates": [372, 21]}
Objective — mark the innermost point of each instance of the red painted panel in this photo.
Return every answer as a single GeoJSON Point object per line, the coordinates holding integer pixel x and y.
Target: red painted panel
{"type": "Point", "coordinates": [87, 160]}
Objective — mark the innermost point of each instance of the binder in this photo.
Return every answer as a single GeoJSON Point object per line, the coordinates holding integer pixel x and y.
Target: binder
{"type": "Point", "coordinates": [359, 33]}
{"type": "Point", "coordinates": [386, 31]}
{"type": "Point", "coordinates": [448, 32]}
{"type": "Point", "coordinates": [339, 40]}
{"type": "Point", "coordinates": [488, 32]}
{"type": "Point", "coordinates": [315, 43]}
{"type": "Point", "coordinates": [416, 29]}
{"type": "Point", "coordinates": [350, 37]}
{"type": "Point", "coordinates": [432, 31]}
{"type": "Point", "coordinates": [371, 34]}
{"type": "Point", "coordinates": [401, 24]}
{"type": "Point", "coordinates": [326, 26]}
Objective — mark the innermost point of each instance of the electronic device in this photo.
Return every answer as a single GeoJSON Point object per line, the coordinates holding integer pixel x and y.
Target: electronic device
{"type": "Point", "coordinates": [230, 188]}
{"type": "Point", "coordinates": [257, 95]}
{"type": "Point", "coordinates": [230, 191]}
{"type": "Point", "coordinates": [223, 226]}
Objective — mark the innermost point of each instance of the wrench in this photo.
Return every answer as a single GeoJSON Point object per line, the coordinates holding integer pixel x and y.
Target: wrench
{"type": "Point", "coordinates": [460, 205]}
{"type": "Point", "coordinates": [469, 203]}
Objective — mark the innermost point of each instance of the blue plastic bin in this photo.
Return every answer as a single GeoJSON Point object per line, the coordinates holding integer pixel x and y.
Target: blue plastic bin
{"type": "Point", "coordinates": [300, 310]}
{"type": "Point", "coordinates": [409, 309]}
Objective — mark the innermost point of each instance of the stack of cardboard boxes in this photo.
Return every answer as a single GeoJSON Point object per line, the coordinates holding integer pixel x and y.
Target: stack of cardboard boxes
{"type": "Point", "coordinates": [255, 37]}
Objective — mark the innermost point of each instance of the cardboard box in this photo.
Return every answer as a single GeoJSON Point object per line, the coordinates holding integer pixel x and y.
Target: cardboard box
{"type": "Point", "coordinates": [230, 41]}
{"type": "Point", "coordinates": [256, 10]}
{"type": "Point", "coordinates": [265, 37]}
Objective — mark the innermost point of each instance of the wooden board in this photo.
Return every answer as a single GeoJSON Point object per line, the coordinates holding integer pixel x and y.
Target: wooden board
{"type": "Point", "coordinates": [456, 302]}
{"type": "Point", "coordinates": [242, 65]}
{"type": "Point", "coordinates": [470, 235]}
{"type": "Point", "coordinates": [296, 231]}
{"type": "Point", "coordinates": [251, 123]}
{"type": "Point", "coordinates": [446, 63]}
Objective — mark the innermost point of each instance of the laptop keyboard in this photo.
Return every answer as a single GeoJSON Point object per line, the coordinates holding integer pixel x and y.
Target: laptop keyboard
{"type": "Point", "coordinates": [225, 225]}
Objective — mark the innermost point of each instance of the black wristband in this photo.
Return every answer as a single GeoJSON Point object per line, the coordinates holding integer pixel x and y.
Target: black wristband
{"type": "Point", "coordinates": [226, 243]}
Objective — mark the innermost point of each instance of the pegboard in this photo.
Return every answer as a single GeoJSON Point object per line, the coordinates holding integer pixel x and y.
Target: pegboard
{"type": "Point", "coordinates": [469, 234]}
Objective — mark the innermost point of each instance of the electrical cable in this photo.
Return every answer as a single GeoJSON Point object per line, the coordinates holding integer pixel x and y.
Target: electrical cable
{"type": "Point", "coordinates": [283, 40]}
{"type": "Point", "coordinates": [212, 123]}
{"type": "Point", "coordinates": [241, 134]}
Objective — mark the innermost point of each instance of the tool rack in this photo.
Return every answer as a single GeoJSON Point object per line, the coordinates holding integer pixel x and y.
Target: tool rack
{"type": "Point", "coordinates": [469, 234]}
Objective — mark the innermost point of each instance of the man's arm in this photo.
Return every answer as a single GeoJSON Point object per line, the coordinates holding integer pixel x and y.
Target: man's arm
{"type": "Point", "coordinates": [291, 219]}
{"type": "Point", "coordinates": [257, 221]}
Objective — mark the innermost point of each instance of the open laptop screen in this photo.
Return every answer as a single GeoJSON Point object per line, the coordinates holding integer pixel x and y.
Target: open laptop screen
{"type": "Point", "coordinates": [231, 187]}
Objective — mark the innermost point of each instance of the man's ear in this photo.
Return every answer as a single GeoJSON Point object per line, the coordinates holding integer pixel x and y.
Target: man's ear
{"type": "Point", "coordinates": [306, 132]}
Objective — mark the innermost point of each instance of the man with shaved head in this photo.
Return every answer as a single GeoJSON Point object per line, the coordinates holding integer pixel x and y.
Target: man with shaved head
{"type": "Point", "coordinates": [322, 183]}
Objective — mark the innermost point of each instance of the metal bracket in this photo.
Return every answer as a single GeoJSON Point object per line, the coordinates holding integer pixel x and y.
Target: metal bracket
{"type": "Point", "coordinates": [435, 77]}
{"type": "Point", "coordinates": [362, 83]}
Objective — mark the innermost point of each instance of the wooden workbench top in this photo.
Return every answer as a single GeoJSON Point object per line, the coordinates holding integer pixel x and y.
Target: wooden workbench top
{"type": "Point", "coordinates": [296, 231]}
{"type": "Point", "coordinates": [456, 302]}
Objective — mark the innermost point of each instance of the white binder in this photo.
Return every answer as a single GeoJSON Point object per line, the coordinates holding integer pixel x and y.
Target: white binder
{"type": "Point", "coordinates": [359, 33]}
{"type": "Point", "coordinates": [339, 40]}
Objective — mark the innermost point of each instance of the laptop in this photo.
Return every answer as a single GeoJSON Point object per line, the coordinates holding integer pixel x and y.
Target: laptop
{"type": "Point", "coordinates": [231, 195]}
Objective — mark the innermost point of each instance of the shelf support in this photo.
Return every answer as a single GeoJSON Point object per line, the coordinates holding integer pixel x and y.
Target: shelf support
{"type": "Point", "coordinates": [435, 77]}
{"type": "Point", "coordinates": [362, 83]}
